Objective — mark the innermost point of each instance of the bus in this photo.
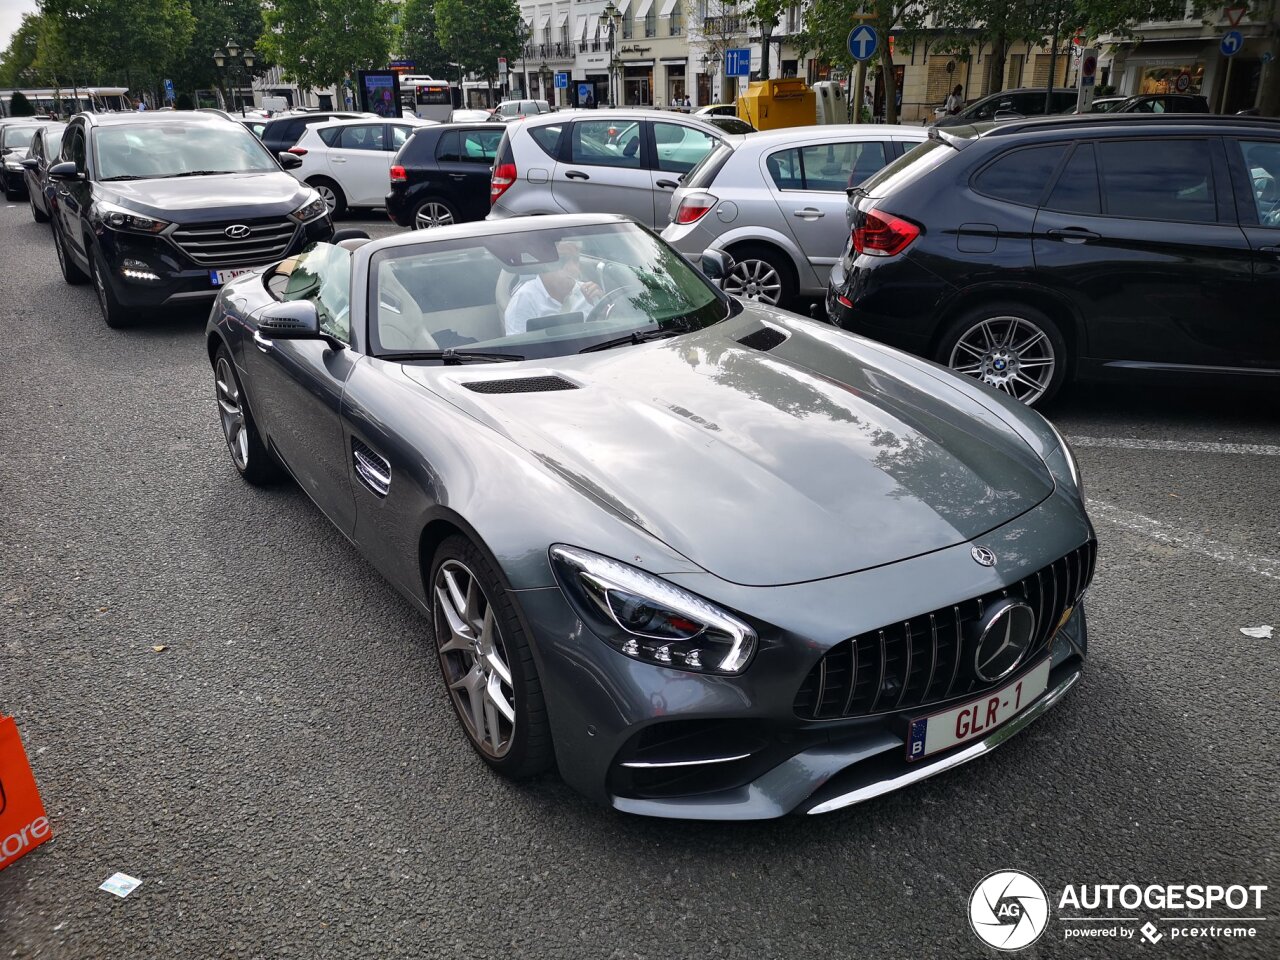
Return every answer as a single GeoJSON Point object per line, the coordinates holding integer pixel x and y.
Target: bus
{"type": "Point", "coordinates": [68, 100]}
{"type": "Point", "coordinates": [431, 99]}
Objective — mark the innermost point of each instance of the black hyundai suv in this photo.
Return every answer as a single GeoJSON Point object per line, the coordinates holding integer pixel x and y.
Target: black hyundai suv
{"type": "Point", "coordinates": [1028, 252]}
{"type": "Point", "coordinates": [441, 175]}
{"type": "Point", "coordinates": [163, 208]}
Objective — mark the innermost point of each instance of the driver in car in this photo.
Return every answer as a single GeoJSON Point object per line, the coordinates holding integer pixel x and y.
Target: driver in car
{"type": "Point", "coordinates": [550, 294]}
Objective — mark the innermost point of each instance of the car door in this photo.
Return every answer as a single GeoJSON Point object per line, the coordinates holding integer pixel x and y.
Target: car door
{"type": "Point", "coordinates": [604, 171]}
{"type": "Point", "coordinates": [360, 161]}
{"type": "Point", "coordinates": [296, 386]}
{"type": "Point", "coordinates": [464, 161]}
{"type": "Point", "coordinates": [1255, 168]}
{"type": "Point", "coordinates": [813, 196]}
{"type": "Point", "coordinates": [75, 196]}
{"type": "Point", "coordinates": [1141, 235]}
{"type": "Point", "coordinates": [677, 149]}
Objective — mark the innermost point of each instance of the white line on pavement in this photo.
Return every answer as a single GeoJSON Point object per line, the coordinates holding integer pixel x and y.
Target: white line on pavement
{"type": "Point", "coordinates": [1268, 567]}
{"type": "Point", "coordinates": [1177, 446]}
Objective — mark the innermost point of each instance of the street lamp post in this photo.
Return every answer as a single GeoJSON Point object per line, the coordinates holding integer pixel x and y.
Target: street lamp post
{"type": "Point", "coordinates": [610, 17]}
{"type": "Point", "coordinates": [712, 64]}
{"type": "Point", "coordinates": [544, 82]}
{"type": "Point", "coordinates": [234, 62]}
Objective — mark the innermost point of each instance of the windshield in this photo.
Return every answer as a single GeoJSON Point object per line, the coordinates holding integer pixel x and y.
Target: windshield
{"type": "Point", "coordinates": [170, 149]}
{"type": "Point", "coordinates": [535, 293]}
{"type": "Point", "coordinates": [17, 137]}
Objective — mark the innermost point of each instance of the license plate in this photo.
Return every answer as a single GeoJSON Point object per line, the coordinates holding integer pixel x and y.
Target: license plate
{"type": "Point", "coordinates": [977, 718]}
{"type": "Point", "coordinates": [219, 277]}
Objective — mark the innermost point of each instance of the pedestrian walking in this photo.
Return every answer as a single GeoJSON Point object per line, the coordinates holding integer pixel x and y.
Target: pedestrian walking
{"type": "Point", "coordinates": [955, 102]}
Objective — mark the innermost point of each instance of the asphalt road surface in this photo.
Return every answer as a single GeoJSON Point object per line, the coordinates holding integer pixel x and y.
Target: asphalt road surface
{"type": "Point", "coordinates": [287, 778]}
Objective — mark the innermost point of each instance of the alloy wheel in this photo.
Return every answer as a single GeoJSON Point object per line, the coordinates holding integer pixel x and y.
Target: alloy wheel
{"type": "Point", "coordinates": [328, 196]}
{"type": "Point", "coordinates": [432, 214]}
{"type": "Point", "coordinates": [474, 657]}
{"type": "Point", "coordinates": [231, 413]}
{"type": "Point", "coordinates": [1009, 353]}
{"type": "Point", "coordinates": [754, 280]}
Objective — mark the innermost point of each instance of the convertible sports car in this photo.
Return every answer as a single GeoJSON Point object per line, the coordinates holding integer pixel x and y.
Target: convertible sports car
{"type": "Point", "coordinates": [711, 559]}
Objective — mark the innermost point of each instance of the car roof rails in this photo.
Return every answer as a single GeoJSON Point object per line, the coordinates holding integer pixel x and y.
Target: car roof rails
{"type": "Point", "coordinates": [1104, 120]}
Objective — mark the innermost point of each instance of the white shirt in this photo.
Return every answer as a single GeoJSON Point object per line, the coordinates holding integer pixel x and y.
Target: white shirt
{"type": "Point", "coordinates": [531, 299]}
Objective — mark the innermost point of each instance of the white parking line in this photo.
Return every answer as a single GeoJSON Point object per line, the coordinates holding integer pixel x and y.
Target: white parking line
{"type": "Point", "coordinates": [1177, 446]}
{"type": "Point", "coordinates": [1268, 567]}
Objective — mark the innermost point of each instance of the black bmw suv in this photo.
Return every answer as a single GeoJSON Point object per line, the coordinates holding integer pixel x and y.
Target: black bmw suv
{"type": "Point", "coordinates": [1029, 252]}
{"type": "Point", "coordinates": [162, 209]}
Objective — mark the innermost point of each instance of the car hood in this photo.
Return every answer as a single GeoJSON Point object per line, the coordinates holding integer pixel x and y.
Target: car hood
{"type": "Point", "coordinates": [809, 460]}
{"type": "Point", "coordinates": [214, 198]}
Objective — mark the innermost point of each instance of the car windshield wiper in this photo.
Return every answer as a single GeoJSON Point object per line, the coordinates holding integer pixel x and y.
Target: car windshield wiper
{"type": "Point", "coordinates": [125, 176]}
{"type": "Point", "coordinates": [633, 338]}
{"type": "Point", "coordinates": [450, 357]}
{"type": "Point", "coordinates": [200, 173]}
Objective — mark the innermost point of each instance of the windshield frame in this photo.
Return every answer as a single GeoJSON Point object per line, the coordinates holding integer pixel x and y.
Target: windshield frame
{"type": "Point", "coordinates": [231, 129]}
{"type": "Point", "coordinates": [716, 310]}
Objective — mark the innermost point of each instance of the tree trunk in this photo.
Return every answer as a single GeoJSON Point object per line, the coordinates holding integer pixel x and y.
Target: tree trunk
{"type": "Point", "coordinates": [999, 53]}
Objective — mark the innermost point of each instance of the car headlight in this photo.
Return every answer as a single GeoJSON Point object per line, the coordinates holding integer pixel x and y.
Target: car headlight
{"type": "Point", "coordinates": [313, 208]}
{"type": "Point", "coordinates": [1069, 457]}
{"type": "Point", "coordinates": [651, 620]}
{"type": "Point", "coordinates": [120, 218]}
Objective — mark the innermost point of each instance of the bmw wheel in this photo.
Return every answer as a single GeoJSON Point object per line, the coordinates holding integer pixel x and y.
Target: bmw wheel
{"type": "Point", "coordinates": [760, 274]}
{"type": "Point", "coordinates": [432, 213]}
{"type": "Point", "coordinates": [250, 455]}
{"type": "Point", "coordinates": [1013, 347]}
{"type": "Point", "coordinates": [487, 664]}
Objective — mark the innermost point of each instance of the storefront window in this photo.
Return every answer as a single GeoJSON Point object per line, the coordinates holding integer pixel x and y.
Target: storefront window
{"type": "Point", "coordinates": [1175, 78]}
{"type": "Point", "coordinates": [675, 85]}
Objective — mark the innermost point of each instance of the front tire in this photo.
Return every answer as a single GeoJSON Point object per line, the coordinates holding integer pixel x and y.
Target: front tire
{"type": "Point", "coordinates": [486, 662]}
{"type": "Point", "coordinates": [113, 313]}
{"type": "Point", "coordinates": [1010, 346]}
{"type": "Point", "coordinates": [331, 194]}
{"type": "Point", "coordinates": [39, 215]}
{"type": "Point", "coordinates": [762, 274]}
{"type": "Point", "coordinates": [255, 463]}
{"type": "Point", "coordinates": [71, 273]}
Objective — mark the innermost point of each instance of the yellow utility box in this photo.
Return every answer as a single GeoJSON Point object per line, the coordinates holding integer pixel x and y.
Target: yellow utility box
{"type": "Point", "coordinates": [769, 104]}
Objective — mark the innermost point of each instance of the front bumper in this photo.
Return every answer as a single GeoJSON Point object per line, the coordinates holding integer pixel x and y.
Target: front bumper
{"type": "Point", "coordinates": [660, 742]}
{"type": "Point", "coordinates": [174, 279]}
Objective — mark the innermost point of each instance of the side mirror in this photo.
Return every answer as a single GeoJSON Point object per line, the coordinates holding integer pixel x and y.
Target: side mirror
{"type": "Point", "coordinates": [31, 163]}
{"type": "Point", "coordinates": [290, 320]}
{"type": "Point", "coordinates": [290, 161]}
{"type": "Point", "coordinates": [716, 265]}
{"type": "Point", "coordinates": [66, 170]}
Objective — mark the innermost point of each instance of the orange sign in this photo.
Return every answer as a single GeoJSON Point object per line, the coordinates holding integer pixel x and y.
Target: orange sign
{"type": "Point", "coordinates": [23, 824]}
{"type": "Point", "coordinates": [1234, 14]}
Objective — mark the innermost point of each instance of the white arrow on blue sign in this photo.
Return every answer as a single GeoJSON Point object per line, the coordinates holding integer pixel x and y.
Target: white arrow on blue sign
{"type": "Point", "coordinates": [562, 81]}
{"type": "Point", "coordinates": [863, 42]}
{"type": "Point", "coordinates": [737, 62]}
{"type": "Point", "coordinates": [1231, 43]}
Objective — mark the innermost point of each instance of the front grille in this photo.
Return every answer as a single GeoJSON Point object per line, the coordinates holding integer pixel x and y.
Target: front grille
{"type": "Point", "coordinates": [521, 385]}
{"type": "Point", "coordinates": [209, 246]}
{"type": "Point", "coordinates": [921, 661]}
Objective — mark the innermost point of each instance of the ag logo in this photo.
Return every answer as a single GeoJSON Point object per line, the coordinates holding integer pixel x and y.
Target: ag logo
{"type": "Point", "coordinates": [1008, 910]}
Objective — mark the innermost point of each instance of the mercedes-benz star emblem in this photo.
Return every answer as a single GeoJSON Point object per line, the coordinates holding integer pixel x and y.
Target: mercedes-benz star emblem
{"type": "Point", "coordinates": [984, 555]}
{"type": "Point", "coordinates": [237, 231]}
{"type": "Point", "coordinates": [1005, 634]}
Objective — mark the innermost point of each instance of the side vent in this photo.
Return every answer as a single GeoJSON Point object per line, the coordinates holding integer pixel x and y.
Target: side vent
{"type": "Point", "coordinates": [521, 385]}
{"type": "Point", "coordinates": [764, 339]}
{"type": "Point", "coordinates": [374, 472]}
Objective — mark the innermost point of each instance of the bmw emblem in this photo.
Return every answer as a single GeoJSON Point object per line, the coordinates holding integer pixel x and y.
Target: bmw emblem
{"type": "Point", "coordinates": [984, 556]}
{"type": "Point", "coordinates": [999, 364]}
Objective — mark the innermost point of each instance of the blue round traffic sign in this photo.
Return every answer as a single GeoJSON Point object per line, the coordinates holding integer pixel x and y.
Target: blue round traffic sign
{"type": "Point", "coordinates": [1231, 43]}
{"type": "Point", "coordinates": [863, 42]}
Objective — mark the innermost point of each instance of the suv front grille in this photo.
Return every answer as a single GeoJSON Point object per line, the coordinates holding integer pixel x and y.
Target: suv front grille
{"type": "Point", "coordinates": [922, 661]}
{"type": "Point", "coordinates": [209, 246]}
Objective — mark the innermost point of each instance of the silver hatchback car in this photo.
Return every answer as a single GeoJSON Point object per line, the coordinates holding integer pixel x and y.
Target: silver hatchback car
{"type": "Point", "coordinates": [776, 201]}
{"type": "Point", "coordinates": [598, 161]}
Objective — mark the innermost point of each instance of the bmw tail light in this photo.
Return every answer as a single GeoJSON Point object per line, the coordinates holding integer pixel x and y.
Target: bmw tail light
{"type": "Point", "coordinates": [398, 175]}
{"type": "Point", "coordinates": [883, 235]}
{"type": "Point", "coordinates": [694, 207]}
{"type": "Point", "coordinates": [504, 175]}
{"type": "Point", "coordinates": [298, 151]}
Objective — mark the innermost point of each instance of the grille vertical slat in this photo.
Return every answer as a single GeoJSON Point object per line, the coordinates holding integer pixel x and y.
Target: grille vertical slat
{"type": "Point", "coordinates": [921, 660]}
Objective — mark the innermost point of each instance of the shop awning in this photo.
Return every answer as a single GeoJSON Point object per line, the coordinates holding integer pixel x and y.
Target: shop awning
{"type": "Point", "coordinates": [643, 9]}
{"type": "Point", "coordinates": [580, 28]}
{"type": "Point", "coordinates": [545, 21]}
{"type": "Point", "coordinates": [622, 6]}
{"type": "Point", "coordinates": [564, 18]}
{"type": "Point", "coordinates": [667, 7]}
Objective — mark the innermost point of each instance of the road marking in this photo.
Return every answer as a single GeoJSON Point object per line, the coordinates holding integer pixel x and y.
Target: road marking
{"type": "Point", "coordinates": [1178, 446]}
{"type": "Point", "coordinates": [1268, 567]}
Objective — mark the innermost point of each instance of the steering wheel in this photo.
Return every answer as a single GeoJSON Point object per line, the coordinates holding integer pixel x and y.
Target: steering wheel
{"type": "Point", "coordinates": [604, 306]}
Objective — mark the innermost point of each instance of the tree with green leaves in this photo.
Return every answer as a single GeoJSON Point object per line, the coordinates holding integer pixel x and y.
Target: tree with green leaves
{"type": "Point", "coordinates": [129, 41]}
{"type": "Point", "coordinates": [18, 62]}
{"type": "Point", "coordinates": [478, 32]}
{"type": "Point", "coordinates": [217, 21]}
{"type": "Point", "coordinates": [420, 41]}
{"type": "Point", "coordinates": [321, 42]}
{"type": "Point", "coordinates": [20, 106]}
{"type": "Point", "coordinates": [767, 14]}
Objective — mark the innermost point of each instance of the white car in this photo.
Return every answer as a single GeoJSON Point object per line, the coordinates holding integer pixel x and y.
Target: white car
{"type": "Point", "coordinates": [349, 161]}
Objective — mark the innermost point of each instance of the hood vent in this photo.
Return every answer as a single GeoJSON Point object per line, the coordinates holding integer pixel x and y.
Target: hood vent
{"type": "Point", "coordinates": [764, 339]}
{"type": "Point", "coordinates": [521, 385]}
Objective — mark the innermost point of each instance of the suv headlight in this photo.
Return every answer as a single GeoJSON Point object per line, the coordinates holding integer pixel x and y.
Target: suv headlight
{"type": "Point", "coordinates": [1069, 459]}
{"type": "Point", "coordinates": [651, 620]}
{"type": "Point", "coordinates": [120, 218]}
{"type": "Point", "coordinates": [313, 208]}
